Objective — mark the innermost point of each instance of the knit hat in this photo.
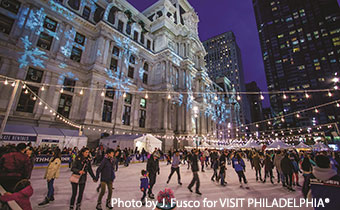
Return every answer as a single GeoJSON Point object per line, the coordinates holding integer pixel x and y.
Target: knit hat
{"type": "Point", "coordinates": [165, 197]}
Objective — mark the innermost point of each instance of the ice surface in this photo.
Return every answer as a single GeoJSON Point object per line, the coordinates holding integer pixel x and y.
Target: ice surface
{"type": "Point", "coordinates": [127, 187]}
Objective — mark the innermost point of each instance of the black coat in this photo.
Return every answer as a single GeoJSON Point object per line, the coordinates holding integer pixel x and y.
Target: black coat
{"type": "Point", "coordinates": [78, 165]}
{"type": "Point", "coordinates": [194, 163]}
{"type": "Point", "coordinates": [287, 165]}
{"type": "Point", "coordinates": [152, 165]}
{"type": "Point", "coordinates": [107, 171]}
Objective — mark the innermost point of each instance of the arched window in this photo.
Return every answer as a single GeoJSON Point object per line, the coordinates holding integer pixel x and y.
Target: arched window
{"type": "Point", "coordinates": [98, 14]}
{"type": "Point", "coordinates": [112, 15]}
{"type": "Point", "coordinates": [74, 4]}
{"type": "Point", "coordinates": [132, 59]}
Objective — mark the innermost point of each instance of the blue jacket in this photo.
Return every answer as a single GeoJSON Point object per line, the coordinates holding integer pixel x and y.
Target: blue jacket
{"type": "Point", "coordinates": [107, 171]}
{"type": "Point", "coordinates": [144, 182]}
{"type": "Point", "coordinates": [238, 165]}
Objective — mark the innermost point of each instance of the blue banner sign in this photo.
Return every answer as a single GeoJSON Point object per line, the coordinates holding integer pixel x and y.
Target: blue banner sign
{"type": "Point", "coordinates": [7, 137]}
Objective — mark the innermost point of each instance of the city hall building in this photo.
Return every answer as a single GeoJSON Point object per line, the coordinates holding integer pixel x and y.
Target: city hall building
{"type": "Point", "coordinates": [109, 69]}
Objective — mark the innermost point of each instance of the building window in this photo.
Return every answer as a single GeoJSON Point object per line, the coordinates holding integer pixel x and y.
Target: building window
{"type": "Point", "coordinates": [34, 75]}
{"type": "Point", "coordinates": [74, 4]}
{"type": "Point", "coordinates": [110, 92]}
{"type": "Point", "coordinates": [142, 118]}
{"type": "Point", "coordinates": [69, 84]}
{"type": "Point", "coordinates": [145, 74]}
{"type": "Point", "coordinates": [128, 28]}
{"type": "Point", "coordinates": [11, 5]}
{"type": "Point", "coordinates": [143, 103]}
{"type": "Point", "coordinates": [135, 36]}
{"type": "Point", "coordinates": [76, 54]}
{"type": "Point", "coordinates": [45, 41]}
{"type": "Point", "coordinates": [107, 111]}
{"type": "Point", "coordinates": [120, 25]}
{"type": "Point", "coordinates": [115, 51]}
{"type": "Point", "coordinates": [142, 38]}
{"type": "Point", "coordinates": [132, 59]}
{"type": "Point", "coordinates": [131, 72]}
{"type": "Point", "coordinates": [128, 98]}
{"type": "Point", "coordinates": [79, 39]}
{"type": "Point", "coordinates": [114, 64]}
{"type": "Point", "coordinates": [26, 102]}
{"type": "Point", "coordinates": [112, 15]}
{"type": "Point", "coordinates": [65, 104]}
{"type": "Point", "coordinates": [86, 13]}
{"type": "Point", "coordinates": [6, 24]}
{"type": "Point", "coordinates": [126, 115]}
{"type": "Point", "coordinates": [148, 44]}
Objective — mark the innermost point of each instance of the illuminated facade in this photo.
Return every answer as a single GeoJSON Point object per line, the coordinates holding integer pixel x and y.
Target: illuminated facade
{"type": "Point", "coordinates": [137, 72]}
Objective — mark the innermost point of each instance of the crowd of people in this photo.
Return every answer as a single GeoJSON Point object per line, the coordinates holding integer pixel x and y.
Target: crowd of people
{"type": "Point", "coordinates": [283, 166]}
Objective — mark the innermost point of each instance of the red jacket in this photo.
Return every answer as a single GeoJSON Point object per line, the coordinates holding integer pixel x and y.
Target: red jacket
{"type": "Point", "coordinates": [22, 198]}
{"type": "Point", "coordinates": [15, 164]}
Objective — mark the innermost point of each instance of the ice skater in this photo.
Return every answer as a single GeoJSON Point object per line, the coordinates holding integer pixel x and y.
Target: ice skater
{"type": "Point", "coordinates": [268, 168]}
{"type": "Point", "coordinates": [175, 167]}
{"type": "Point", "coordinates": [107, 171]}
{"type": "Point", "coordinates": [144, 185]}
{"type": "Point", "coordinates": [152, 167]}
{"type": "Point", "coordinates": [195, 169]}
{"type": "Point", "coordinates": [240, 167]}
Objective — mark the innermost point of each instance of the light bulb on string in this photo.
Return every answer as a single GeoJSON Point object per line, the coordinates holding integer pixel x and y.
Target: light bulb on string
{"type": "Point", "coordinates": [316, 111]}
{"type": "Point", "coordinates": [307, 95]}
{"type": "Point", "coordinates": [62, 90]}
{"type": "Point", "coordinates": [26, 91]}
{"type": "Point", "coordinates": [6, 82]}
{"type": "Point", "coordinates": [169, 96]}
{"type": "Point", "coordinates": [34, 98]}
{"type": "Point", "coordinates": [284, 96]}
{"type": "Point", "coordinates": [216, 98]}
{"type": "Point", "coordinates": [40, 103]}
{"type": "Point", "coordinates": [298, 115]}
{"type": "Point", "coordinates": [24, 86]}
{"type": "Point", "coordinates": [269, 123]}
{"type": "Point", "coordinates": [261, 97]}
{"type": "Point", "coordinates": [103, 93]}
{"type": "Point", "coordinates": [238, 97]}
{"type": "Point", "coordinates": [146, 96]}
{"type": "Point", "coordinates": [42, 88]}
{"type": "Point", "coordinates": [46, 107]}
{"type": "Point", "coordinates": [13, 84]}
{"type": "Point", "coordinates": [282, 119]}
{"type": "Point", "coordinates": [81, 92]}
{"type": "Point", "coordinates": [330, 94]}
{"type": "Point", "coordinates": [124, 95]}
{"type": "Point", "coordinates": [337, 105]}
{"type": "Point", "coordinates": [336, 87]}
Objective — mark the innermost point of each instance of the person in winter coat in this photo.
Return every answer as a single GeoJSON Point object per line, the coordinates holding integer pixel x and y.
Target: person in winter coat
{"type": "Point", "coordinates": [14, 166]}
{"type": "Point", "coordinates": [287, 170]}
{"type": "Point", "coordinates": [306, 166]}
{"type": "Point", "coordinates": [324, 184]}
{"type": "Point", "coordinates": [239, 166]}
{"type": "Point", "coordinates": [31, 156]}
{"type": "Point", "coordinates": [52, 172]}
{"type": "Point", "coordinates": [277, 162]}
{"type": "Point", "coordinates": [268, 168]}
{"type": "Point", "coordinates": [144, 184]}
{"type": "Point", "coordinates": [189, 156]}
{"type": "Point", "coordinates": [257, 165]}
{"type": "Point", "coordinates": [202, 159]}
{"type": "Point", "coordinates": [195, 169]}
{"type": "Point", "coordinates": [215, 165]}
{"type": "Point", "coordinates": [152, 168]}
{"type": "Point", "coordinates": [176, 161]}
{"type": "Point", "coordinates": [22, 193]}
{"type": "Point", "coordinates": [222, 164]}
{"type": "Point", "coordinates": [107, 171]}
{"type": "Point", "coordinates": [296, 171]}
{"type": "Point", "coordinates": [81, 166]}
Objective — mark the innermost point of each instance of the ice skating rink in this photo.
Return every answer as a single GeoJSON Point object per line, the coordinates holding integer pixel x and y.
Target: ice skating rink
{"type": "Point", "coordinates": [126, 187]}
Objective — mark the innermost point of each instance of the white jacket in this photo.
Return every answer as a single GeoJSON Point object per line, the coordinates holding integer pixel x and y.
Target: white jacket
{"type": "Point", "coordinates": [53, 168]}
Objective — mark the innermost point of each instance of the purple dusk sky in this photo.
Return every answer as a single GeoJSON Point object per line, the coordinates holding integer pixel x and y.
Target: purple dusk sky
{"type": "Point", "coordinates": [219, 16]}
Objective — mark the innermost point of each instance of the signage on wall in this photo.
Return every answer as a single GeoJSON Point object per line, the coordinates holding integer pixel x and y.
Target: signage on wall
{"type": "Point", "coordinates": [7, 137]}
{"type": "Point", "coordinates": [50, 140]}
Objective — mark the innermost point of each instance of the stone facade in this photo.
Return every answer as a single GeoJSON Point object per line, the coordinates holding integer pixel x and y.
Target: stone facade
{"type": "Point", "coordinates": [110, 68]}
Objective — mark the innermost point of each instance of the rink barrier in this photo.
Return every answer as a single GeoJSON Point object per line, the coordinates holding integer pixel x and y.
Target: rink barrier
{"type": "Point", "coordinates": [43, 160]}
{"type": "Point", "coordinates": [12, 204]}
